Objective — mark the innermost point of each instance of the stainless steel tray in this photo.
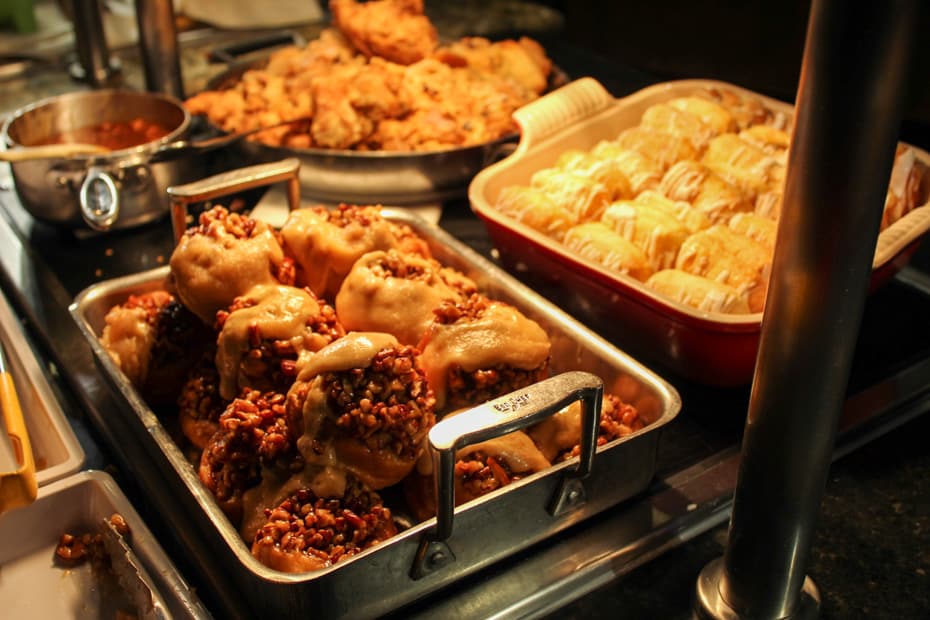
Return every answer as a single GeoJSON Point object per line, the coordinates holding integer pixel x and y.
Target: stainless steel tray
{"type": "Point", "coordinates": [484, 531]}
{"type": "Point", "coordinates": [33, 587]}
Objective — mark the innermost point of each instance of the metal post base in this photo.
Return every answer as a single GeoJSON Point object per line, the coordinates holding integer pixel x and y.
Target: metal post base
{"type": "Point", "coordinates": [709, 605]}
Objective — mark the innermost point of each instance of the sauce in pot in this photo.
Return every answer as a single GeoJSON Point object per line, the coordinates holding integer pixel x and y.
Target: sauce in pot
{"type": "Point", "coordinates": [112, 135]}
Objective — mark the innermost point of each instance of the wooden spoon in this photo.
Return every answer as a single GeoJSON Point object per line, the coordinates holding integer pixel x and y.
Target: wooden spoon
{"type": "Point", "coordinates": [52, 151]}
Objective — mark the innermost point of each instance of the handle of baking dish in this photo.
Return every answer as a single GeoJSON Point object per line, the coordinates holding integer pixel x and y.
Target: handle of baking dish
{"type": "Point", "coordinates": [561, 108]}
{"type": "Point", "coordinates": [498, 417]}
{"type": "Point", "coordinates": [226, 183]}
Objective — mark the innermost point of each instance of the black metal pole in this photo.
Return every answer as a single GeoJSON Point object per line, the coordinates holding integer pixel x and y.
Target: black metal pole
{"type": "Point", "coordinates": [158, 45]}
{"type": "Point", "coordinates": [847, 118]}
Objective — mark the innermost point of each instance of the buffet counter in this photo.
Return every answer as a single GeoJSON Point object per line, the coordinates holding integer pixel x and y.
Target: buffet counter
{"type": "Point", "coordinates": [641, 556]}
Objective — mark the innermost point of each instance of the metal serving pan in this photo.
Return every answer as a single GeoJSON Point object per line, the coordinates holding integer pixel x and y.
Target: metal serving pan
{"type": "Point", "coordinates": [34, 587]}
{"type": "Point", "coordinates": [711, 348]}
{"type": "Point", "coordinates": [407, 566]}
{"type": "Point", "coordinates": [376, 177]}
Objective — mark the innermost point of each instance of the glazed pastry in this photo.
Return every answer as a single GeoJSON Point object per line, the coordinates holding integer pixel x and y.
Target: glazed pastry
{"type": "Point", "coordinates": [396, 293]}
{"type": "Point", "coordinates": [746, 110]}
{"type": "Point", "coordinates": [154, 340]}
{"type": "Point", "coordinates": [654, 231]}
{"type": "Point", "coordinates": [362, 405]}
{"type": "Point", "coordinates": [750, 168]}
{"type": "Point", "coordinates": [325, 243]}
{"type": "Point", "coordinates": [705, 190]}
{"type": "Point", "coordinates": [263, 334]}
{"type": "Point", "coordinates": [691, 218]}
{"type": "Point", "coordinates": [756, 227]}
{"type": "Point", "coordinates": [714, 115]}
{"type": "Point", "coordinates": [253, 436]}
{"type": "Point", "coordinates": [662, 148]}
{"type": "Point", "coordinates": [584, 197]}
{"type": "Point", "coordinates": [306, 532]}
{"type": "Point", "coordinates": [222, 257]}
{"type": "Point", "coordinates": [597, 242]}
{"type": "Point", "coordinates": [479, 469]}
{"type": "Point", "coordinates": [720, 254]}
{"type": "Point", "coordinates": [481, 349]}
{"type": "Point", "coordinates": [664, 117]}
{"type": "Point", "coordinates": [534, 208]}
{"type": "Point", "coordinates": [606, 171]}
{"type": "Point", "coordinates": [559, 436]}
{"type": "Point", "coordinates": [698, 292]}
{"type": "Point", "coordinates": [770, 139]}
{"type": "Point", "coordinates": [643, 172]}
{"type": "Point", "coordinates": [904, 188]}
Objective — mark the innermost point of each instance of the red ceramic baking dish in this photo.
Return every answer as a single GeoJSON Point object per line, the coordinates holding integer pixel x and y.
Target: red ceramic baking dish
{"type": "Point", "coordinates": [711, 348]}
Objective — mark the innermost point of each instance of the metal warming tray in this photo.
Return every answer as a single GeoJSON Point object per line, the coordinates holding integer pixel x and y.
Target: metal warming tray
{"type": "Point", "coordinates": [712, 348]}
{"type": "Point", "coordinates": [483, 532]}
{"type": "Point", "coordinates": [33, 586]}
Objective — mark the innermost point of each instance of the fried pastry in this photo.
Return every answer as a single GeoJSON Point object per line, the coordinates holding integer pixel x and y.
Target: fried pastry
{"type": "Point", "coordinates": [325, 243]}
{"type": "Point", "coordinates": [597, 242]}
{"type": "Point", "coordinates": [481, 349]}
{"type": "Point", "coordinates": [222, 257]}
{"type": "Point", "coordinates": [534, 208]}
{"type": "Point", "coordinates": [756, 227]}
{"type": "Point", "coordinates": [396, 294]}
{"type": "Point", "coordinates": [664, 117]}
{"type": "Point", "coordinates": [705, 190]}
{"type": "Point", "coordinates": [606, 171]}
{"type": "Point", "coordinates": [720, 254]}
{"type": "Point", "coordinates": [657, 233]}
{"type": "Point", "coordinates": [691, 218]}
{"type": "Point", "coordinates": [362, 405]}
{"type": "Point", "coordinates": [714, 115]}
{"type": "Point", "coordinates": [663, 148]}
{"type": "Point", "coordinates": [265, 332]}
{"type": "Point", "coordinates": [559, 436]}
{"type": "Point", "coordinates": [643, 172]}
{"type": "Point", "coordinates": [698, 292]}
{"type": "Point", "coordinates": [584, 197]}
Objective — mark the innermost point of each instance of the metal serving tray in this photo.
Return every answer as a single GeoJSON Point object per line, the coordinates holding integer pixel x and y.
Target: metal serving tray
{"type": "Point", "coordinates": [34, 587]}
{"type": "Point", "coordinates": [484, 531]}
{"type": "Point", "coordinates": [711, 348]}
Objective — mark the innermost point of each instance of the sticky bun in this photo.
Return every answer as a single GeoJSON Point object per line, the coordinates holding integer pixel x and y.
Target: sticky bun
{"type": "Point", "coordinates": [363, 404]}
{"type": "Point", "coordinates": [325, 243]}
{"type": "Point", "coordinates": [396, 293]}
{"type": "Point", "coordinates": [224, 256]}
{"type": "Point", "coordinates": [153, 339]}
{"type": "Point", "coordinates": [265, 331]}
{"type": "Point", "coordinates": [253, 435]}
{"type": "Point", "coordinates": [479, 349]}
{"type": "Point", "coordinates": [559, 436]}
{"type": "Point", "coordinates": [306, 532]}
{"type": "Point", "coordinates": [200, 404]}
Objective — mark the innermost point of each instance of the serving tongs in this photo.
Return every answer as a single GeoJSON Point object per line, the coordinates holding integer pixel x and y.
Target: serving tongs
{"type": "Point", "coordinates": [17, 467]}
{"type": "Point", "coordinates": [131, 574]}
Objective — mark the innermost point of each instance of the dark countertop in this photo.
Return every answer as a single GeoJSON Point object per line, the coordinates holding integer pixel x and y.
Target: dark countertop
{"type": "Point", "coordinates": [871, 552]}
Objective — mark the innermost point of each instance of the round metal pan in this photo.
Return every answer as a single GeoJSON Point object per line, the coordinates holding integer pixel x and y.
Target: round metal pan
{"type": "Point", "coordinates": [376, 177]}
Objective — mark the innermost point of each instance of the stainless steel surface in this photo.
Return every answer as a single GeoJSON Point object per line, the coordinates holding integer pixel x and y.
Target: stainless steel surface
{"type": "Point", "coordinates": [710, 606]}
{"type": "Point", "coordinates": [94, 64]}
{"type": "Point", "coordinates": [850, 95]}
{"type": "Point", "coordinates": [486, 531]}
{"type": "Point", "coordinates": [132, 575]}
{"type": "Point", "coordinates": [52, 189]}
{"type": "Point", "coordinates": [158, 46]}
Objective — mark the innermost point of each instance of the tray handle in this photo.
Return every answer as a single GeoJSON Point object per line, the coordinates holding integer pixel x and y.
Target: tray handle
{"type": "Point", "coordinates": [226, 183]}
{"type": "Point", "coordinates": [497, 417]}
{"type": "Point", "coordinates": [561, 108]}
{"type": "Point", "coordinates": [18, 485]}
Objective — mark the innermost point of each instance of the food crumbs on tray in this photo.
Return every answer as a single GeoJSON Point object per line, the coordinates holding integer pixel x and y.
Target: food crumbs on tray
{"type": "Point", "coordinates": [108, 252]}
